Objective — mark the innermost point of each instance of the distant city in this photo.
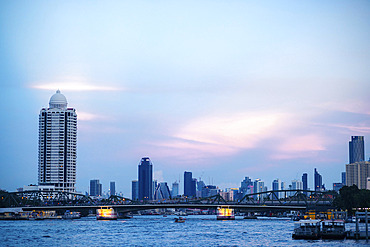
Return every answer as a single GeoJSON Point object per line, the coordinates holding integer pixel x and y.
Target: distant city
{"type": "Point", "coordinates": [57, 167]}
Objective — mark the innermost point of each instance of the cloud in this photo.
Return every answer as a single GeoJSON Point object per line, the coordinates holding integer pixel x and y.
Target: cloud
{"type": "Point", "coordinates": [240, 131]}
{"type": "Point", "coordinates": [74, 86]}
{"type": "Point", "coordinates": [353, 128]}
{"type": "Point", "coordinates": [282, 134]}
{"type": "Point", "coordinates": [217, 136]}
{"type": "Point", "coordinates": [302, 143]}
{"type": "Point", "coordinates": [352, 106]}
{"type": "Point", "coordinates": [86, 116]}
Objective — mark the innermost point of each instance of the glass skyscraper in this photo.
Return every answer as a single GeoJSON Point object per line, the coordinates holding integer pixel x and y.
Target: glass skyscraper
{"type": "Point", "coordinates": [189, 185]}
{"type": "Point", "coordinates": [145, 179]}
{"type": "Point", "coordinates": [57, 145]}
{"type": "Point", "coordinates": [135, 190]}
{"type": "Point", "coordinates": [96, 188]}
{"type": "Point", "coordinates": [305, 182]}
{"type": "Point", "coordinates": [317, 181]}
{"type": "Point", "coordinates": [356, 149]}
{"type": "Point", "coordinates": [112, 188]}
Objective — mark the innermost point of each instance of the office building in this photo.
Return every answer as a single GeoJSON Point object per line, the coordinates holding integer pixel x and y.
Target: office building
{"type": "Point", "coordinates": [276, 186]}
{"type": "Point", "coordinates": [356, 149]}
{"type": "Point", "coordinates": [246, 186]}
{"type": "Point", "coordinates": [344, 178]}
{"type": "Point", "coordinates": [96, 188]}
{"type": "Point", "coordinates": [357, 174]}
{"type": "Point", "coordinates": [189, 185]}
{"type": "Point", "coordinates": [135, 190]}
{"type": "Point", "coordinates": [305, 181]}
{"type": "Point", "coordinates": [258, 186]}
{"type": "Point", "coordinates": [112, 188]}
{"type": "Point", "coordinates": [209, 190]}
{"type": "Point", "coordinates": [175, 189]}
{"type": "Point", "coordinates": [145, 179]}
{"type": "Point", "coordinates": [297, 185]}
{"type": "Point", "coordinates": [57, 145]}
{"type": "Point", "coordinates": [317, 181]}
{"type": "Point", "coordinates": [162, 191]}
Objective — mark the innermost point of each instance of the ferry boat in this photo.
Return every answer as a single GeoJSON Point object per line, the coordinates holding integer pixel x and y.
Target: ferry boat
{"type": "Point", "coordinates": [105, 213]}
{"type": "Point", "coordinates": [225, 213]}
{"type": "Point", "coordinates": [333, 229]}
{"type": "Point", "coordinates": [306, 229]}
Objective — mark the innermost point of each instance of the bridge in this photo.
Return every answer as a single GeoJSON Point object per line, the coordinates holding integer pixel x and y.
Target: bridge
{"type": "Point", "coordinates": [282, 200]}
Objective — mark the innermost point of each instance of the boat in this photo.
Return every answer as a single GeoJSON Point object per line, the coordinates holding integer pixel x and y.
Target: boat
{"type": "Point", "coordinates": [71, 215]}
{"type": "Point", "coordinates": [306, 229]}
{"type": "Point", "coordinates": [35, 216]}
{"type": "Point", "coordinates": [225, 213]}
{"type": "Point", "coordinates": [333, 229]}
{"type": "Point", "coordinates": [180, 220]}
{"type": "Point", "coordinates": [106, 213]}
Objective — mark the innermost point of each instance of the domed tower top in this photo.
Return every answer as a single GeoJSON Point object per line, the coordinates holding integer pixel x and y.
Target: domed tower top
{"type": "Point", "coordinates": [58, 100]}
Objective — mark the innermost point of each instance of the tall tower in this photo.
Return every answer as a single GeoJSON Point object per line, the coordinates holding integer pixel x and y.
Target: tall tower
{"type": "Point", "coordinates": [356, 149]}
{"type": "Point", "coordinates": [145, 179]}
{"type": "Point", "coordinates": [96, 188]}
{"type": "Point", "coordinates": [57, 145]}
{"type": "Point", "coordinates": [305, 182]}
{"type": "Point", "coordinates": [112, 188]}
{"type": "Point", "coordinates": [317, 181]}
{"type": "Point", "coordinates": [189, 185]}
{"type": "Point", "coordinates": [135, 190]}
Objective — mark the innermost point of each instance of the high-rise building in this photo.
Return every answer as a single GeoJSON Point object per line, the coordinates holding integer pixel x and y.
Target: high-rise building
{"type": "Point", "coordinates": [356, 149]}
{"type": "Point", "coordinates": [357, 174]}
{"type": "Point", "coordinates": [200, 185]}
{"type": "Point", "coordinates": [305, 182]}
{"type": "Point", "coordinates": [175, 189]}
{"type": "Point", "coordinates": [145, 179]}
{"type": "Point", "coordinates": [276, 185]}
{"type": "Point", "coordinates": [189, 185]}
{"type": "Point", "coordinates": [112, 188]}
{"type": "Point", "coordinates": [297, 185]}
{"type": "Point", "coordinates": [317, 181]}
{"type": "Point", "coordinates": [135, 190]}
{"type": "Point", "coordinates": [57, 145]}
{"type": "Point", "coordinates": [258, 186]}
{"type": "Point", "coordinates": [96, 188]}
{"type": "Point", "coordinates": [162, 191]}
{"type": "Point", "coordinates": [246, 186]}
{"type": "Point", "coordinates": [344, 178]}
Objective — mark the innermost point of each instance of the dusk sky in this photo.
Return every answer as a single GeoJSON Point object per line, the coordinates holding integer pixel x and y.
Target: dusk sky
{"type": "Point", "coordinates": [225, 89]}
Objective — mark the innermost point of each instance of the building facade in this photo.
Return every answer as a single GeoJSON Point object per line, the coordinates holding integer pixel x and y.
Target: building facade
{"type": "Point", "coordinates": [317, 181]}
{"type": "Point", "coordinates": [357, 174]}
{"type": "Point", "coordinates": [190, 185]}
{"type": "Point", "coordinates": [175, 189]}
{"type": "Point", "coordinates": [356, 149]}
{"type": "Point", "coordinates": [344, 178]}
{"type": "Point", "coordinates": [112, 188]}
{"type": "Point", "coordinates": [96, 188]}
{"type": "Point", "coordinates": [305, 181]}
{"type": "Point", "coordinates": [146, 179]}
{"type": "Point", "coordinates": [57, 145]}
{"type": "Point", "coordinates": [162, 191]}
{"type": "Point", "coordinates": [135, 190]}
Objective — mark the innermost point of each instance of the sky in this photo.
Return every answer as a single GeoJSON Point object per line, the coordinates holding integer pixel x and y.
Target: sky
{"type": "Point", "coordinates": [225, 89]}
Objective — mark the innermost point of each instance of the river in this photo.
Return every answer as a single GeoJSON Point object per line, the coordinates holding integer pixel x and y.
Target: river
{"type": "Point", "coordinates": [156, 231]}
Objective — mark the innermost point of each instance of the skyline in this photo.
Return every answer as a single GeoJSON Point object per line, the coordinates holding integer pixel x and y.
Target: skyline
{"type": "Point", "coordinates": [225, 90]}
